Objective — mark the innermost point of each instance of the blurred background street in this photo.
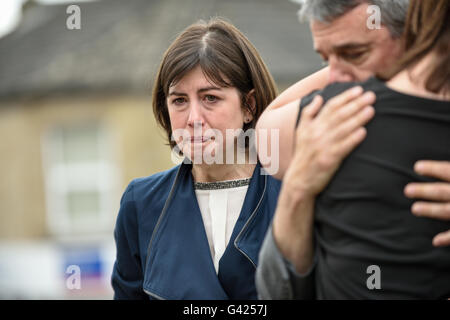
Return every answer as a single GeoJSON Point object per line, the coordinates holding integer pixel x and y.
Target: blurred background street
{"type": "Point", "coordinates": [76, 123]}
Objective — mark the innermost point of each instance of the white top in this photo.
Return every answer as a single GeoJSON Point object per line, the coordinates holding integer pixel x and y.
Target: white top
{"type": "Point", "coordinates": [220, 210]}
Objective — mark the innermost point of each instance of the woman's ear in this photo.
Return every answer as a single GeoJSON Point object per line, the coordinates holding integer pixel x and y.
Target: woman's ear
{"type": "Point", "coordinates": [250, 106]}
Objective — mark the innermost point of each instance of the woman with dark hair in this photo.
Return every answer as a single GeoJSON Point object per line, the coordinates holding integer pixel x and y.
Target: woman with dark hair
{"type": "Point", "coordinates": [343, 222]}
{"type": "Point", "coordinates": [194, 231]}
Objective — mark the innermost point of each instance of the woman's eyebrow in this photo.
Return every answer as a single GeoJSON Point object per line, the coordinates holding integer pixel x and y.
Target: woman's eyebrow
{"type": "Point", "coordinates": [176, 93]}
{"type": "Point", "coordinates": [208, 88]}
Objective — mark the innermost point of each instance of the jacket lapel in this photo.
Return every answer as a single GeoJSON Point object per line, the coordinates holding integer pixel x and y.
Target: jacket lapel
{"type": "Point", "coordinates": [179, 263]}
{"type": "Point", "coordinates": [250, 209]}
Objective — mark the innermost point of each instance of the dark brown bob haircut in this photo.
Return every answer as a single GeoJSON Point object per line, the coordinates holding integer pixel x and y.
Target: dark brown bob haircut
{"type": "Point", "coordinates": [427, 29]}
{"type": "Point", "coordinates": [227, 59]}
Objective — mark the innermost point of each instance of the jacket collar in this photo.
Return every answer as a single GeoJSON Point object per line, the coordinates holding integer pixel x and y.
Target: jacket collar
{"type": "Point", "coordinates": [179, 263]}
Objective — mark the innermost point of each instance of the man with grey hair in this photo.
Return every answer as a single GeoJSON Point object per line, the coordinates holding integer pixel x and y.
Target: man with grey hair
{"type": "Point", "coordinates": [393, 12]}
{"type": "Point", "coordinates": [354, 52]}
{"type": "Point", "coordinates": [344, 39]}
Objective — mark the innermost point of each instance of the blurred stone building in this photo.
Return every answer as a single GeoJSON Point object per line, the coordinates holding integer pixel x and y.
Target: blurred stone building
{"type": "Point", "coordinates": [76, 123]}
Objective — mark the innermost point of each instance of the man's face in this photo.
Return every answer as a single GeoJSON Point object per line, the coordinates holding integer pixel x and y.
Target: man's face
{"type": "Point", "coordinates": [353, 51]}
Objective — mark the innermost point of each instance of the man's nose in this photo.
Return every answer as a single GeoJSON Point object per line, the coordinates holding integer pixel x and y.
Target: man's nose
{"type": "Point", "coordinates": [338, 72]}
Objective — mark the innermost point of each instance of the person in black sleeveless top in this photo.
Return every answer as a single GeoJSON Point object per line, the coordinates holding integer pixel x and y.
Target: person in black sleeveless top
{"type": "Point", "coordinates": [362, 218]}
{"type": "Point", "coordinates": [354, 49]}
{"type": "Point", "coordinates": [366, 244]}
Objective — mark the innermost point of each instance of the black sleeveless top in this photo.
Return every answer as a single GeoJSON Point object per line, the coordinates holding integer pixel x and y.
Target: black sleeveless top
{"type": "Point", "coordinates": [363, 219]}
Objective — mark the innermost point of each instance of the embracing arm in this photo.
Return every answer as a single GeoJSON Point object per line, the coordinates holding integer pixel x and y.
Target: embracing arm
{"type": "Point", "coordinates": [322, 140]}
{"type": "Point", "coordinates": [278, 123]}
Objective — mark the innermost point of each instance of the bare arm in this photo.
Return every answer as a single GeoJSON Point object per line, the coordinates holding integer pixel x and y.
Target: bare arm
{"type": "Point", "coordinates": [275, 139]}
{"type": "Point", "coordinates": [322, 140]}
{"type": "Point", "coordinates": [281, 115]}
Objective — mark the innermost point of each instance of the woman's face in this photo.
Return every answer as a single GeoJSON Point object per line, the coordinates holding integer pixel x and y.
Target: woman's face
{"type": "Point", "coordinates": [196, 106]}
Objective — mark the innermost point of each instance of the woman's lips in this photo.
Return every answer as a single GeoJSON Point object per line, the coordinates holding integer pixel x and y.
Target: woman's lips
{"type": "Point", "coordinates": [199, 139]}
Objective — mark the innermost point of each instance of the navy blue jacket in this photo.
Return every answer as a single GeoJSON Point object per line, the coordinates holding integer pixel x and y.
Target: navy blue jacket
{"type": "Point", "coordinates": [162, 248]}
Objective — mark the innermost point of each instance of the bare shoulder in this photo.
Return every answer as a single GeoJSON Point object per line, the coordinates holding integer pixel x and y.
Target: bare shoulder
{"type": "Point", "coordinates": [275, 135]}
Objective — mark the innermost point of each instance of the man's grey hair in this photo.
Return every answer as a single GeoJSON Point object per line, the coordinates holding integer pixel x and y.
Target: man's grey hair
{"type": "Point", "coordinates": [393, 12]}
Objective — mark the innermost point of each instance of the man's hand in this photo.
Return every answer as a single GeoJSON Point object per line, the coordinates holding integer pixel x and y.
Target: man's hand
{"type": "Point", "coordinates": [323, 139]}
{"type": "Point", "coordinates": [438, 194]}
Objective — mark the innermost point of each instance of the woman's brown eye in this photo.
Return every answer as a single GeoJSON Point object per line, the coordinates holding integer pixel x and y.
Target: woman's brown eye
{"type": "Point", "coordinates": [178, 101]}
{"type": "Point", "coordinates": [210, 98]}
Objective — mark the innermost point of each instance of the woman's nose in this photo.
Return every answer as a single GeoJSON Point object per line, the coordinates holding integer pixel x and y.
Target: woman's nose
{"type": "Point", "coordinates": [195, 115]}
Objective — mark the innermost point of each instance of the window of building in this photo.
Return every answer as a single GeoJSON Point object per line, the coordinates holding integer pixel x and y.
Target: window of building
{"type": "Point", "coordinates": [81, 179]}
